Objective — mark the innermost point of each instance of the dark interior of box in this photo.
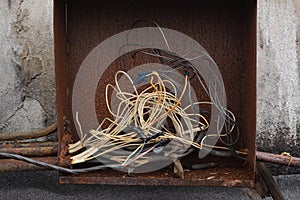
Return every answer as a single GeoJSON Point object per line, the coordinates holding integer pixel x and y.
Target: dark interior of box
{"type": "Point", "coordinates": [226, 29]}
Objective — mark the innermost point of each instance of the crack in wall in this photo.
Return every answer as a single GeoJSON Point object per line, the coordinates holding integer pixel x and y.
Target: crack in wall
{"type": "Point", "coordinates": [5, 123]}
{"type": "Point", "coordinates": [9, 4]}
{"type": "Point", "coordinates": [30, 114]}
{"type": "Point", "coordinates": [19, 26]}
{"type": "Point", "coordinates": [42, 106]}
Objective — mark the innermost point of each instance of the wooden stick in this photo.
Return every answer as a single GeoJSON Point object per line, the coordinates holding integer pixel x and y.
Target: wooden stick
{"type": "Point", "coordinates": [267, 177]}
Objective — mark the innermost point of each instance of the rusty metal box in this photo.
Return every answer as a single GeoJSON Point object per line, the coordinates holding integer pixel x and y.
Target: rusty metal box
{"type": "Point", "coordinates": [226, 29]}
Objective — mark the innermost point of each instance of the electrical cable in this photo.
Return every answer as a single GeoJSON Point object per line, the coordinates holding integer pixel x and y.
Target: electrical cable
{"type": "Point", "coordinates": [160, 103]}
{"type": "Point", "coordinates": [55, 167]}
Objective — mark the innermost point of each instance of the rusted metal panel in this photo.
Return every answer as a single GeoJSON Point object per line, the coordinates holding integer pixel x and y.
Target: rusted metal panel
{"type": "Point", "coordinates": [226, 175]}
{"type": "Point", "coordinates": [230, 177]}
{"type": "Point", "coordinates": [61, 72]}
{"type": "Point", "coordinates": [249, 107]}
{"type": "Point", "coordinates": [227, 30]}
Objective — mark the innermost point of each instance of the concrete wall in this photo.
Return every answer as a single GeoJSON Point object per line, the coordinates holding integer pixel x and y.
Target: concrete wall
{"type": "Point", "coordinates": [278, 76]}
{"type": "Point", "coordinates": [27, 82]}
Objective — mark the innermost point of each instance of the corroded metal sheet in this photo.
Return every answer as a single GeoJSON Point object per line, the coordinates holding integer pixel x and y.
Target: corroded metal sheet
{"type": "Point", "coordinates": [227, 30]}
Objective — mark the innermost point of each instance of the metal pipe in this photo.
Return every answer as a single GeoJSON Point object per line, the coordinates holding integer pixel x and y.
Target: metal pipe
{"type": "Point", "coordinates": [11, 165]}
{"type": "Point", "coordinates": [27, 134]}
{"type": "Point", "coordinates": [284, 158]}
{"type": "Point", "coordinates": [33, 151]}
{"type": "Point", "coordinates": [5, 145]}
{"type": "Point", "coordinates": [41, 149]}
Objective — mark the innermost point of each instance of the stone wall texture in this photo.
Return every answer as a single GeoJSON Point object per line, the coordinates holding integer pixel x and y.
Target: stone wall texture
{"type": "Point", "coordinates": [27, 80]}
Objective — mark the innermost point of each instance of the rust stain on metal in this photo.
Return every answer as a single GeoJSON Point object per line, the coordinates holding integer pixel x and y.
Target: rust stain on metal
{"type": "Point", "coordinates": [235, 177]}
{"type": "Point", "coordinates": [64, 157]}
{"type": "Point", "coordinates": [226, 175]}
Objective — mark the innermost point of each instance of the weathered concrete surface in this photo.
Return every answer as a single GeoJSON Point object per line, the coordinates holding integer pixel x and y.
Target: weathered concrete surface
{"type": "Point", "coordinates": [27, 83]}
{"type": "Point", "coordinates": [278, 89]}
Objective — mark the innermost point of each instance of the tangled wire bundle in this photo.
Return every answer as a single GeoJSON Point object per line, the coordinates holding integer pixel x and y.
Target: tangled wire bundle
{"type": "Point", "coordinates": [162, 120]}
{"type": "Point", "coordinates": [148, 125]}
